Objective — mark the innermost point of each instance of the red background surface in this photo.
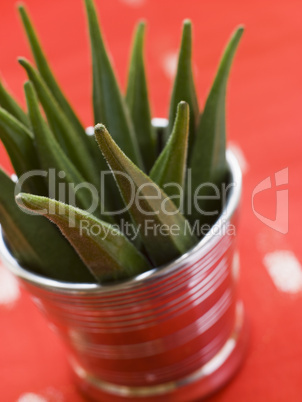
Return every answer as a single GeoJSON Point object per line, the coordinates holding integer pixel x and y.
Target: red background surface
{"type": "Point", "coordinates": [264, 120]}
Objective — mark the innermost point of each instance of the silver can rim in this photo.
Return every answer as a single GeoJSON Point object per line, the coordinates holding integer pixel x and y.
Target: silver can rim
{"type": "Point", "coordinates": [205, 243]}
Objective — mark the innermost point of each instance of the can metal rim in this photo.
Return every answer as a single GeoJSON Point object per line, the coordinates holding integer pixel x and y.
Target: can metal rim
{"type": "Point", "coordinates": [206, 243]}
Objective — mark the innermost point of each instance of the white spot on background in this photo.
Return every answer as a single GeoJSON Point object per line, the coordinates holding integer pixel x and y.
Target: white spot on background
{"type": "Point", "coordinates": [170, 64]}
{"type": "Point", "coordinates": [235, 148]}
{"type": "Point", "coordinates": [285, 270]}
{"type": "Point", "coordinates": [31, 397]}
{"type": "Point", "coordinates": [133, 2]}
{"type": "Point", "coordinates": [50, 395]}
{"type": "Point", "coordinates": [53, 395]}
{"type": "Point", "coordinates": [14, 178]}
{"type": "Point", "coordinates": [89, 130]}
{"type": "Point", "coordinates": [9, 289]}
